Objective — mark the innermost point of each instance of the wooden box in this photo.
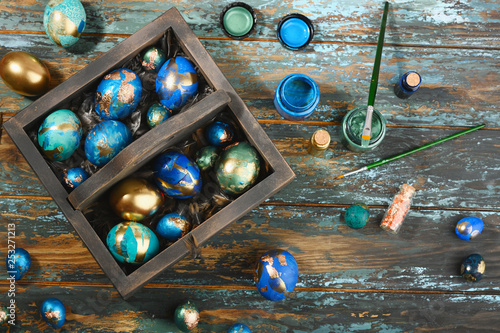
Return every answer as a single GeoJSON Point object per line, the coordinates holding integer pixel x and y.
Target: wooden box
{"type": "Point", "coordinates": [222, 98]}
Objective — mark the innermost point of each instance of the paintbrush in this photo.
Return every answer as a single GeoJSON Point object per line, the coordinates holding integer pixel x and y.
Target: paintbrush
{"type": "Point", "coordinates": [367, 128]}
{"type": "Point", "coordinates": [393, 158]}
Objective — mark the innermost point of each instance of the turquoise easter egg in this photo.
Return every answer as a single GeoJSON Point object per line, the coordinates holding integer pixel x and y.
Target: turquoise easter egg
{"type": "Point", "coordinates": [132, 242]}
{"type": "Point", "coordinates": [59, 135]}
{"type": "Point", "coordinates": [357, 215]}
{"type": "Point", "coordinates": [157, 114]}
{"type": "Point", "coordinates": [64, 21]}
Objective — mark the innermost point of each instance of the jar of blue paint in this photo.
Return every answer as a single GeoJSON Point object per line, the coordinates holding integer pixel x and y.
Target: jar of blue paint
{"type": "Point", "coordinates": [295, 31]}
{"type": "Point", "coordinates": [296, 97]}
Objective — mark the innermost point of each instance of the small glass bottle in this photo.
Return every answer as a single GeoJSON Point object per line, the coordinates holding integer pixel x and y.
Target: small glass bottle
{"type": "Point", "coordinates": [394, 216]}
{"type": "Point", "coordinates": [407, 85]}
{"type": "Point", "coordinates": [319, 142]}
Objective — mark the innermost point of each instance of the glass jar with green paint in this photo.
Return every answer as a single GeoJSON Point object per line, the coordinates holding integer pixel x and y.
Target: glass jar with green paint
{"type": "Point", "coordinates": [352, 129]}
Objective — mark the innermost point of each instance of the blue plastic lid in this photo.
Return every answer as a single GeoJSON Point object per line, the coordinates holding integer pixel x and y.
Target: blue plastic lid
{"type": "Point", "coordinates": [295, 31]}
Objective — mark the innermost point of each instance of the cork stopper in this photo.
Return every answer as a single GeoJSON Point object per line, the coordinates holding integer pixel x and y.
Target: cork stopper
{"type": "Point", "coordinates": [320, 139]}
{"type": "Point", "coordinates": [407, 191]}
{"type": "Point", "coordinates": [413, 80]}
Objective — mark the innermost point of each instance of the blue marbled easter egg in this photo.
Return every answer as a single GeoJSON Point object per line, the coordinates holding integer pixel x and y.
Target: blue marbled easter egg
{"type": "Point", "coordinates": [59, 135]}
{"type": "Point", "coordinates": [177, 175]}
{"type": "Point", "coordinates": [157, 113]}
{"type": "Point", "coordinates": [118, 94]}
{"type": "Point", "coordinates": [176, 82]}
{"type": "Point", "coordinates": [173, 226]}
{"type": "Point", "coordinates": [73, 177]}
{"type": "Point", "coordinates": [106, 140]}
{"type": "Point", "coordinates": [18, 263]}
{"type": "Point", "coordinates": [239, 328]}
{"type": "Point", "coordinates": [64, 21]}
{"type": "Point", "coordinates": [219, 134]}
{"type": "Point", "coordinates": [469, 228]}
{"type": "Point", "coordinates": [276, 274]}
{"type": "Point", "coordinates": [53, 312]}
{"type": "Point", "coordinates": [132, 242]}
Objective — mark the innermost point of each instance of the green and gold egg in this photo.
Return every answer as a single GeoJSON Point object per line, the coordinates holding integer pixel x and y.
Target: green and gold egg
{"type": "Point", "coordinates": [238, 168]}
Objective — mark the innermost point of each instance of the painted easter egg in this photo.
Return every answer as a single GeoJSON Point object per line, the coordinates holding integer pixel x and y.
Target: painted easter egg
{"type": "Point", "coordinates": [276, 274]}
{"type": "Point", "coordinates": [473, 268]}
{"type": "Point", "coordinates": [132, 242]}
{"type": "Point", "coordinates": [157, 114]}
{"type": "Point", "coordinates": [173, 226]}
{"type": "Point", "coordinates": [118, 94]}
{"type": "Point", "coordinates": [134, 199]}
{"type": "Point", "coordinates": [18, 263]}
{"type": "Point", "coordinates": [74, 177]}
{"type": "Point", "coordinates": [239, 328]}
{"type": "Point", "coordinates": [186, 316]}
{"type": "Point", "coordinates": [238, 168]}
{"type": "Point", "coordinates": [177, 175]}
{"type": "Point", "coordinates": [219, 134]}
{"type": "Point", "coordinates": [106, 140]}
{"type": "Point", "coordinates": [207, 157]}
{"type": "Point", "coordinates": [176, 82]}
{"type": "Point", "coordinates": [152, 59]}
{"type": "Point", "coordinates": [24, 73]}
{"type": "Point", "coordinates": [59, 135]}
{"type": "Point", "coordinates": [64, 21]}
{"type": "Point", "coordinates": [357, 215]}
{"type": "Point", "coordinates": [4, 314]}
{"type": "Point", "coordinates": [469, 228]}
{"type": "Point", "coordinates": [53, 312]}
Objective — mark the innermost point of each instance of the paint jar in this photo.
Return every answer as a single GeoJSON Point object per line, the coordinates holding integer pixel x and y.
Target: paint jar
{"type": "Point", "coordinates": [319, 142]}
{"type": "Point", "coordinates": [296, 97]}
{"type": "Point", "coordinates": [295, 31]}
{"type": "Point", "coordinates": [407, 85]}
{"type": "Point", "coordinates": [396, 213]}
{"type": "Point", "coordinates": [238, 20]}
{"type": "Point", "coordinates": [352, 128]}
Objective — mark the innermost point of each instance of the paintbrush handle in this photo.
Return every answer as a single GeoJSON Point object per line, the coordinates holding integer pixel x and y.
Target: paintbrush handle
{"type": "Point", "coordinates": [378, 56]}
{"type": "Point", "coordinates": [451, 137]}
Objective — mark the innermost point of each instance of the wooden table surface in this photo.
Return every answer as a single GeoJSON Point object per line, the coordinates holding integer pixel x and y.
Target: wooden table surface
{"type": "Point", "coordinates": [350, 280]}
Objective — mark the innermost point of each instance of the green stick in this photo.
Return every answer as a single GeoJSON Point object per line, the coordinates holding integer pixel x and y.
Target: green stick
{"type": "Point", "coordinates": [393, 158]}
{"type": "Point", "coordinates": [367, 129]}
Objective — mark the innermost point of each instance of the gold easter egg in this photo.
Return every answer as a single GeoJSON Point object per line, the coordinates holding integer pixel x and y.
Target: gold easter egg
{"type": "Point", "coordinates": [134, 199]}
{"type": "Point", "coordinates": [24, 73]}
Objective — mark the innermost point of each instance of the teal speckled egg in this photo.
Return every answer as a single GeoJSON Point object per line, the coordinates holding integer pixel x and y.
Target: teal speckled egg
{"type": "Point", "coordinates": [157, 114]}
{"type": "Point", "coordinates": [186, 316]}
{"type": "Point", "coordinates": [60, 134]}
{"type": "Point", "coordinates": [64, 21]}
{"type": "Point", "coordinates": [357, 215]}
{"type": "Point", "coordinates": [206, 157]}
{"type": "Point", "coordinates": [238, 168]}
{"type": "Point", "coordinates": [153, 59]}
{"type": "Point", "coordinates": [132, 242]}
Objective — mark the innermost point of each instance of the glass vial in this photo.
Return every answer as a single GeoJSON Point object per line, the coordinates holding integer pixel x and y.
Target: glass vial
{"type": "Point", "coordinates": [394, 216]}
{"type": "Point", "coordinates": [407, 85]}
{"type": "Point", "coordinates": [319, 142]}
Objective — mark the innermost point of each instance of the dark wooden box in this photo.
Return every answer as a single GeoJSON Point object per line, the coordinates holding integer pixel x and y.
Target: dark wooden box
{"type": "Point", "coordinates": [142, 150]}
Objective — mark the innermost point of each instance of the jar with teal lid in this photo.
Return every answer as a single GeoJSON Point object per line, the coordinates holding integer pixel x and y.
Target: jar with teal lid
{"type": "Point", "coordinates": [352, 128]}
{"type": "Point", "coordinates": [296, 97]}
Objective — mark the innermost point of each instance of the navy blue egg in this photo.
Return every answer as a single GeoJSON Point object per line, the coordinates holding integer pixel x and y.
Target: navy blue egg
{"type": "Point", "coordinates": [73, 177]}
{"type": "Point", "coordinates": [176, 82]}
{"type": "Point", "coordinates": [239, 328]}
{"type": "Point", "coordinates": [173, 226]}
{"type": "Point", "coordinates": [18, 262]}
{"type": "Point", "coordinates": [118, 94]}
{"type": "Point", "coordinates": [276, 274]}
{"type": "Point", "coordinates": [469, 228]}
{"type": "Point", "coordinates": [219, 134]}
{"type": "Point", "coordinates": [53, 312]}
{"type": "Point", "coordinates": [177, 175]}
{"type": "Point", "coordinates": [105, 141]}
{"type": "Point", "coordinates": [473, 268]}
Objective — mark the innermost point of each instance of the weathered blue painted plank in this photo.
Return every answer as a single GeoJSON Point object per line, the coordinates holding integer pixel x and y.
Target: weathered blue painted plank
{"type": "Point", "coordinates": [426, 255]}
{"type": "Point", "coordinates": [94, 309]}
{"type": "Point", "coordinates": [467, 23]}
{"type": "Point", "coordinates": [459, 86]}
